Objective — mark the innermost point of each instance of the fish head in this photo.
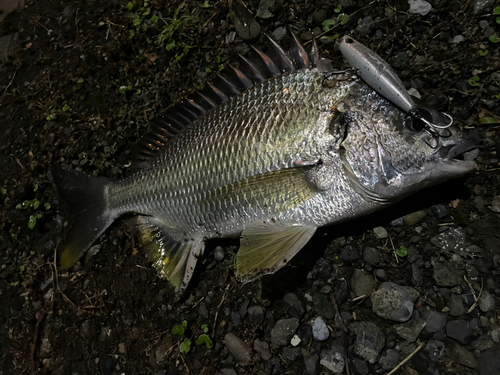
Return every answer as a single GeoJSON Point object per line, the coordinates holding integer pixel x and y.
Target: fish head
{"type": "Point", "coordinates": [389, 154]}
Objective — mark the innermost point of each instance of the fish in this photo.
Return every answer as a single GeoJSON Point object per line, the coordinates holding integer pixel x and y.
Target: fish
{"type": "Point", "coordinates": [279, 147]}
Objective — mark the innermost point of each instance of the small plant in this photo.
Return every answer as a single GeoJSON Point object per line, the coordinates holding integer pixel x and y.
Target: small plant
{"type": "Point", "coordinates": [16, 282]}
{"type": "Point", "coordinates": [402, 252]}
{"type": "Point", "coordinates": [338, 8]}
{"type": "Point", "coordinates": [185, 344]}
{"type": "Point", "coordinates": [328, 24]}
{"type": "Point", "coordinates": [204, 339]}
{"type": "Point", "coordinates": [474, 81]}
{"type": "Point", "coordinates": [33, 204]}
{"type": "Point", "coordinates": [494, 38]}
{"type": "Point", "coordinates": [123, 89]}
{"type": "Point", "coordinates": [496, 12]}
{"type": "Point", "coordinates": [482, 52]}
{"type": "Point", "coordinates": [3, 191]}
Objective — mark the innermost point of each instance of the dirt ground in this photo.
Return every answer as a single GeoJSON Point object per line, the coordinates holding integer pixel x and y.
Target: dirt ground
{"type": "Point", "coordinates": [79, 82]}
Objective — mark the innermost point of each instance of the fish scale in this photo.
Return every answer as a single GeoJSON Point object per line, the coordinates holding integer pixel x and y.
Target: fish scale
{"type": "Point", "coordinates": [271, 164]}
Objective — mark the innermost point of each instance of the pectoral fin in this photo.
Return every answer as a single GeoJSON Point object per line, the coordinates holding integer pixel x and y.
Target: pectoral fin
{"type": "Point", "coordinates": [266, 247]}
{"type": "Point", "coordinates": [174, 260]}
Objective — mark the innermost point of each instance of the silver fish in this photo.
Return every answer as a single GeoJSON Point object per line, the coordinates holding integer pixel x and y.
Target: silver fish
{"type": "Point", "coordinates": [269, 154]}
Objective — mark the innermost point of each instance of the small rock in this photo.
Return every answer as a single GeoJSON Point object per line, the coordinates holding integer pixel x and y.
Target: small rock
{"type": "Point", "coordinates": [393, 302]}
{"type": "Point", "coordinates": [420, 7]}
{"type": "Point", "coordinates": [320, 329]}
{"type": "Point", "coordinates": [456, 305]}
{"type": "Point", "coordinates": [256, 314]}
{"type": "Point", "coordinates": [283, 331]}
{"type": "Point", "coordinates": [323, 306]}
{"type": "Point", "coordinates": [414, 218]}
{"type": "Point", "coordinates": [434, 321]}
{"type": "Point", "coordinates": [380, 232]}
{"type": "Point", "coordinates": [495, 335]}
{"type": "Point", "coordinates": [228, 371]}
{"type": "Point", "coordinates": [462, 356]}
{"type": "Point", "coordinates": [482, 343]}
{"type": "Point", "coordinates": [370, 340]}
{"type": "Point", "coordinates": [238, 348]}
{"type": "Point", "coordinates": [371, 255]}
{"type": "Point", "coordinates": [236, 318]}
{"type": "Point", "coordinates": [452, 240]}
{"type": "Point", "coordinates": [291, 353]}
{"type": "Point", "coordinates": [445, 276]}
{"type": "Point", "coordinates": [245, 24]}
{"type": "Point", "coordinates": [457, 39]}
{"type": "Point", "coordinates": [397, 222]}
{"type": "Point", "coordinates": [263, 11]}
{"type": "Point", "coordinates": [460, 331]}
{"type": "Point", "coordinates": [435, 349]}
{"type": "Point", "coordinates": [333, 360]}
{"type": "Point", "coordinates": [262, 348]}
{"type": "Point", "coordinates": [410, 330]}
{"type": "Point", "coordinates": [319, 15]}
{"type": "Point", "coordinates": [382, 274]}
{"type": "Point", "coordinates": [495, 204]}
{"type": "Point", "coordinates": [279, 33]}
{"type": "Point", "coordinates": [488, 361]}
{"type": "Point", "coordinates": [312, 364]}
{"type": "Point", "coordinates": [359, 366]}
{"type": "Point", "coordinates": [294, 301]}
{"type": "Point", "coordinates": [203, 310]}
{"type": "Point", "coordinates": [486, 302]}
{"type": "Point", "coordinates": [362, 283]}
{"type": "Point", "coordinates": [349, 253]}
{"type": "Point", "coordinates": [439, 210]}
{"type": "Point", "coordinates": [296, 340]}
{"type": "Point", "coordinates": [45, 347]}
{"type": "Point", "coordinates": [389, 359]}
{"type": "Point", "coordinates": [121, 348]}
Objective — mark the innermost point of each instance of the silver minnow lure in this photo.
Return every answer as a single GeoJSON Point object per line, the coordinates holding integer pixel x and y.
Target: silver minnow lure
{"type": "Point", "coordinates": [381, 77]}
{"type": "Point", "coordinates": [268, 154]}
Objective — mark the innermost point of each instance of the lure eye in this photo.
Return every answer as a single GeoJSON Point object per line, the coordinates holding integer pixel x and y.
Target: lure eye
{"type": "Point", "coordinates": [414, 124]}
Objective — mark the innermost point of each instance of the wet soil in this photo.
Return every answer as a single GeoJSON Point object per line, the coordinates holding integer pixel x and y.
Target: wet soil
{"type": "Point", "coordinates": [78, 86]}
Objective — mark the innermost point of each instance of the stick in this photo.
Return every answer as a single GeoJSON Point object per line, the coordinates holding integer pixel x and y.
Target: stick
{"type": "Point", "coordinates": [406, 359]}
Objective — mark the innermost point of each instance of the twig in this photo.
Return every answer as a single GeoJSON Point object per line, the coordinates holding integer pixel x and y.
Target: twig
{"type": "Point", "coordinates": [406, 359]}
{"type": "Point", "coordinates": [345, 333]}
{"type": "Point", "coordinates": [10, 83]}
{"type": "Point", "coordinates": [35, 339]}
{"type": "Point", "coordinates": [220, 304]}
{"type": "Point", "coordinates": [57, 276]}
{"type": "Point", "coordinates": [476, 298]}
{"type": "Point", "coordinates": [185, 364]}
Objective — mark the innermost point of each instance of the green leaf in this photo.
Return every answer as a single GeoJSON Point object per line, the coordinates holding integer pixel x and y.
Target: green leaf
{"type": "Point", "coordinates": [217, 59]}
{"type": "Point", "coordinates": [35, 187]}
{"type": "Point", "coordinates": [185, 346]}
{"type": "Point", "coordinates": [51, 116]}
{"type": "Point", "coordinates": [208, 70]}
{"type": "Point", "coordinates": [206, 4]}
{"type": "Point", "coordinates": [80, 80]}
{"type": "Point", "coordinates": [402, 252]}
{"type": "Point", "coordinates": [474, 81]}
{"type": "Point", "coordinates": [154, 19]}
{"type": "Point", "coordinates": [19, 206]}
{"type": "Point", "coordinates": [204, 339]}
{"type": "Point", "coordinates": [146, 12]}
{"type": "Point", "coordinates": [178, 330]}
{"type": "Point", "coordinates": [328, 24]}
{"type": "Point", "coordinates": [3, 191]}
{"type": "Point", "coordinates": [498, 20]}
{"type": "Point", "coordinates": [47, 206]}
{"type": "Point", "coordinates": [204, 327]}
{"type": "Point", "coordinates": [494, 38]}
{"type": "Point", "coordinates": [497, 96]}
{"type": "Point", "coordinates": [488, 120]}
{"type": "Point", "coordinates": [131, 34]}
{"type": "Point", "coordinates": [21, 269]}
{"type": "Point", "coordinates": [35, 203]}
{"type": "Point", "coordinates": [343, 18]}
{"type": "Point", "coordinates": [14, 283]}
{"type": "Point", "coordinates": [65, 108]}
{"type": "Point", "coordinates": [496, 11]}
{"type": "Point", "coordinates": [184, 323]}
{"type": "Point", "coordinates": [332, 38]}
{"type": "Point", "coordinates": [137, 21]}
{"type": "Point", "coordinates": [338, 8]}
{"type": "Point", "coordinates": [32, 222]}
{"type": "Point", "coordinates": [482, 53]}
{"type": "Point", "coordinates": [130, 6]}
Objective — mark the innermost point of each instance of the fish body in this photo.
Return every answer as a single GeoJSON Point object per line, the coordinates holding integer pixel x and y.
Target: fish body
{"type": "Point", "coordinates": [274, 160]}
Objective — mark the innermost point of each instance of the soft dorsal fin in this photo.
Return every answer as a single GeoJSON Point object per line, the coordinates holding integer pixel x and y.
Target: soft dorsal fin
{"type": "Point", "coordinates": [258, 67]}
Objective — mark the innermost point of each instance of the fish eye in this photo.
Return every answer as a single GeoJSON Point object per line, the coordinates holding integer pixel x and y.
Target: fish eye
{"type": "Point", "coordinates": [415, 124]}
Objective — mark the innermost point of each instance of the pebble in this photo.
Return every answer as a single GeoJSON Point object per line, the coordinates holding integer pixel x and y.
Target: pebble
{"type": "Point", "coordinates": [312, 364]}
{"type": "Point", "coordinates": [291, 353]}
{"type": "Point", "coordinates": [380, 232]}
{"type": "Point", "coordinates": [319, 15]}
{"type": "Point", "coordinates": [410, 330]}
{"type": "Point", "coordinates": [382, 274]}
{"type": "Point", "coordinates": [453, 240]}
{"type": "Point", "coordinates": [495, 335]}
{"type": "Point", "coordinates": [238, 348]}
{"type": "Point", "coordinates": [360, 367]}
{"type": "Point", "coordinates": [462, 356]}
{"type": "Point", "coordinates": [362, 283]}
{"type": "Point", "coordinates": [457, 39]}
{"type": "Point", "coordinates": [263, 11]}
{"type": "Point", "coordinates": [486, 302]}
{"type": "Point", "coordinates": [323, 306]}
{"type": "Point", "coordinates": [262, 348]}
{"type": "Point", "coordinates": [414, 218]}
{"type": "Point", "coordinates": [320, 329]}
{"type": "Point", "coordinates": [488, 361]}
{"type": "Point", "coordinates": [439, 210]}
{"type": "Point", "coordinates": [236, 318]}
{"type": "Point", "coordinates": [283, 331]}
{"type": "Point", "coordinates": [445, 276]}
{"type": "Point", "coordinates": [392, 302]}
{"type": "Point", "coordinates": [460, 331]}
{"type": "Point", "coordinates": [349, 253]}
{"type": "Point", "coordinates": [495, 204]}
{"type": "Point", "coordinates": [389, 359]}
{"type": "Point", "coordinates": [434, 321]}
{"type": "Point", "coordinates": [245, 24]}
{"type": "Point", "coordinates": [333, 360]}
{"type": "Point", "coordinates": [369, 342]}
{"type": "Point", "coordinates": [420, 7]}
{"type": "Point", "coordinates": [256, 314]}
{"type": "Point", "coordinates": [456, 306]}
{"type": "Point", "coordinates": [371, 255]}
{"type": "Point", "coordinates": [279, 33]}
{"type": "Point", "coordinates": [294, 301]}
{"type": "Point", "coordinates": [435, 348]}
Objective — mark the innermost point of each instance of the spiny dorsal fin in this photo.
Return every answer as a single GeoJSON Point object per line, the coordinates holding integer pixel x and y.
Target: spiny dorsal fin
{"type": "Point", "coordinates": [253, 70]}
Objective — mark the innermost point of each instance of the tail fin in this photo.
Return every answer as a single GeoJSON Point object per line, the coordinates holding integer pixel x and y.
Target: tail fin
{"type": "Point", "coordinates": [84, 194]}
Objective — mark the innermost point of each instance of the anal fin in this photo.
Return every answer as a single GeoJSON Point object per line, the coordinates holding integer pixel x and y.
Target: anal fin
{"type": "Point", "coordinates": [267, 247]}
{"type": "Point", "coordinates": [173, 260]}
